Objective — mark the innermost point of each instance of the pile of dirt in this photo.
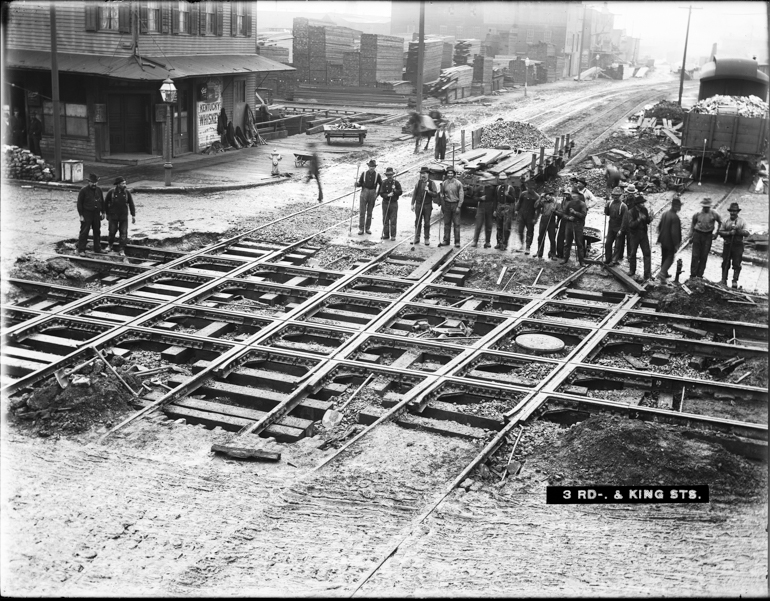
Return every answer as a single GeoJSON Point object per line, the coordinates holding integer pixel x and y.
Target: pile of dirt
{"type": "Point", "coordinates": [514, 134]}
{"type": "Point", "coordinates": [666, 109]}
{"type": "Point", "coordinates": [100, 400]}
{"type": "Point", "coordinates": [611, 450]}
{"type": "Point", "coordinates": [706, 302]}
{"type": "Point", "coordinates": [57, 269]}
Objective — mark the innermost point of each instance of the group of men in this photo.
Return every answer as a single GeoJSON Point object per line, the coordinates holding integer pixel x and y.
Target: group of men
{"type": "Point", "coordinates": [93, 207]}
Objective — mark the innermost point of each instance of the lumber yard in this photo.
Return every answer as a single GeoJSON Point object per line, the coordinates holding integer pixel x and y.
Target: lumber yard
{"type": "Point", "coordinates": [402, 296]}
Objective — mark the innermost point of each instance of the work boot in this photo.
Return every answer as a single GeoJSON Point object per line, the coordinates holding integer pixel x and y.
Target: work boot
{"type": "Point", "coordinates": [457, 245]}
{"type": "Point", "coordinates": [474, 245]}
{"type": "Point", "coordinates": [526, 252]}
{"type": "Point", "coordinates": [368, 231]}
{"type": "Point", "coordinates": [563, 261]}
{"type": "Point", "coordinates": [81, 253]}
{"type": "Point", "coordinates": [427, 241]}
{"type": "Point", "coordinates": [360, 232]}
{"type": "Point", "coordinates": [487, 245]}
{"type": "Point", "coordinates": [416, 241]}
{"type": "Point", "coordinates": [735, 284]}
{"type": "Point", "coordinates": [443, 243]}
{"type": "Point", "coordinates": [723, 283]}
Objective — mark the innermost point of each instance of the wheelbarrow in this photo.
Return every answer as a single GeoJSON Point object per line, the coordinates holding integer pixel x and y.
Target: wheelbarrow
{"type": "Point", "coordinates": [300, 160]}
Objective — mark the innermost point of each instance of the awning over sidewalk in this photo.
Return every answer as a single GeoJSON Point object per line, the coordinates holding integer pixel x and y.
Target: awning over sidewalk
{"type": "Point", "coordinates": [123, 67]}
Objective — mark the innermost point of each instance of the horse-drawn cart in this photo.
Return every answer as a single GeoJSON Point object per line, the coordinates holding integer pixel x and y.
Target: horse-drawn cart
{"type": "Point", "coordinates": [344, 133]}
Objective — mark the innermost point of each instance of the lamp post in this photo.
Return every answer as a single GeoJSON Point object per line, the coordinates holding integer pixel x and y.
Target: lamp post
{"type": "Point", "coordinates": [526, 75]}
{"type": "Point", "coordinates": [168, 93]}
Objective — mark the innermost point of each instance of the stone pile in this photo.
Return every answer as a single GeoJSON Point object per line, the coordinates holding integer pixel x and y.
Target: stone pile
{"type": "Point", "coordinates": [514, 134]}
{"type": "Point", "coordinates": [19, 163]}
{"type": "Point", "coordinates": [745, 106]}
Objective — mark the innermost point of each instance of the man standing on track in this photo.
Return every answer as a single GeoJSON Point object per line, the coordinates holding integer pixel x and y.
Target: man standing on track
{"type": "Point", "coordinates": [561, 212]}
{"type": "Point", "coordinates": [702, 232]}
{"type": "Point", "coordinates": [575, 216]}
{"type": "Point", "coordinates": [422, 204]}
{"type": "Point", "coordinates": [390, 191]}
{"type": "Point", "coordinates": [369, 182]}
{"type": "Point", "coordinates": [546, 206]}
{"type": "Point", "coordinates": [669, 237]}
{"type": "Point", "coordinates": [91, 211]}
{"type": "Point", "coordinates": [505, 212]}
{"type": "Point", "coordinates": [452, 196]}
{"type": "Point", "coordinates": [525, 212]}
{"type": "Point", "coordinates": [117, 205]}
{"type": "Point", "coordinates": [733, 231]}
{"type": "Point", "coordinates": [485, 209]}
{"type": "Point", "coordinates": [638, 220]}
{"type": "Point", "coordinates": [615, 210]}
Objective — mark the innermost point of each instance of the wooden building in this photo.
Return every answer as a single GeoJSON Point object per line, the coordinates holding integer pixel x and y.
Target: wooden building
{"type": "Point", "coordinates": [112, 58]}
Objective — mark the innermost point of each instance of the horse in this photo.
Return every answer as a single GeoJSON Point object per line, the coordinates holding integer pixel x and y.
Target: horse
{"type": "Point", "coordinates": [422, 127]}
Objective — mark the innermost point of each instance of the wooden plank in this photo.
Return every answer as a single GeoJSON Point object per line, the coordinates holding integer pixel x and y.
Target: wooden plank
{"type": "Point", "coordinates": [305, 425]}
{"type": "Point", "coordinates": [23, 353]}
{"type": "Point", "coordinates": [51, 343]}
{"type": "Point", "coordinates": [241, 453]}
{"type": "Point", "coordinates": [625, 279]}
{"type": "Point", "coordinates": [673, 138]}
{"type": "Point", "coordinates": [230, 423]}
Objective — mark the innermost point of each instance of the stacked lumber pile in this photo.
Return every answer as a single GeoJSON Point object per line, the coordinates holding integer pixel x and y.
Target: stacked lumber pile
{"type": "Point", "coordinates": [431, 66]}
{"type": "Point", "coordinates": [447, 55]}
{"type": "Point", "coordinates": [338, 41]}
{"type": "Point", "coordinates": [482, 69]}
{"type": "Point", "coordinates": [351, 66]}
{"type": "Point", "coordinates": [744, 106]}
{"type": "Point", "coordinates": [22, 164]}
{"type": "Point", "coordinates": [451, 79]}
{"type": "Point", "coordinates": [317, 53]}
{"type": "Point", "coordinates": [465, 50]}
{"type": "Point", "coordinates": [275, 53]}
{"type": "Point", "coordinates": [301, 46]}
{"type": "Point", "coordinates": [382, 59]}
{"type": "Point", "coordinates": [514, 134]}
{"type": "Point", "coordinates": [334, 75]}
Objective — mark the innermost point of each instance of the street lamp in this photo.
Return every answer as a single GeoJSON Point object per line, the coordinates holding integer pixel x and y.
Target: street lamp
{"type": "Point", "coordinates": [526, 75]}
{"type": "Point", "coordinates": [168, 93]}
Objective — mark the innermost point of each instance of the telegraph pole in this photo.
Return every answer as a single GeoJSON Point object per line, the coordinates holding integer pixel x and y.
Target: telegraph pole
{"type": "Point", "coordinates": [582, 36]}
{"type": "Point", "coordinates": [55, 94]}
{"type": "Point", "coordinates": [420, 56]}
{"type": "Point", "coordinates": [684, 58]}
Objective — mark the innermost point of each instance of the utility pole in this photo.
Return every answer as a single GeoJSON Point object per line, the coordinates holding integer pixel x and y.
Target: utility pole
{"type": "Point", "coordinates": [55, 94]}
{"type": "Point", "coordinates": [420, 56]}
{"type": "Point", "coordinates": [684, 58]}
{"type": "Point", "coordinates": [582, 36]}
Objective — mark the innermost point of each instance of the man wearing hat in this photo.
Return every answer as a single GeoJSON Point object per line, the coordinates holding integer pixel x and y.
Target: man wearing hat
{"type": "Point", "coordinates": [422, 204]}
{"type": "Point", "coordinates": [587, 194]}
{"type": "Point", "coordinates": [486, 205]}
{"type": "Point", "coordinates": [90, 207]}
{"type": "Point", "coordinates": [615, 210]}
{"type": "Point", "coordinates": [117, 204]}
{"type": "Point", "coordinates": [561, 213]}
{"type": "Point", "coordinates": [638, 220]}
{"type": "Point", "coordinates": [452, 195]}
{"type": "Point", "coordinates": [702, 233]}
{"type": "Point", "coordinates": [546, 207]}
{"type": "Point", "coordinates": [369, 182]}
{"type": "Point", "coordinates": [669, 237]}
{"type": "Point", "coordinates": [526, 215]}
{"type": "Point", "coordinates": [390, 190]}
{"type": "Point", "coordinates": [733, 231]}
{"type": "Point", "coordinates": [575, 216]}
{"type": "Point", "coordinates": [505, 211]}
{"type": "Point", "coordinates": [314, 169]}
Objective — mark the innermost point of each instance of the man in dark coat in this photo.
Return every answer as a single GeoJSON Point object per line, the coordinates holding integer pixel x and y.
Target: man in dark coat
{"type": "Point", "coordinates": [615, 210]}
{"type": "Point", "coordinates": [505, 210]}
{"type": "Point", "coordinates": [91, 211]}
{"type": "Point", "coordinates": [486, 205]}
{"type": "Point", "coordinates": [117, 205]}
{"type": "Point", "coordinates": [733, 231]}
{"type": "Point", "coordinates": [525, 215]}
{"type": "Point", "coordinates": [575, 215]}
{"type": "Point", "coordinates": [546, 207]}
{"type": "Point", "coordinates": [422, 204]}
{"type": "Point", "coordinates": [17, 129]}
{"type": "Point", "coordinates": [35, 134]}
{"type": "Point", "coordinates": [369, 182]}
{"type": "Point", "coordinates": [561, 210]}
{"type": "Point", "coordinates": [440, 149]}
{"type": "Point", "coordinates": [669, 237]}
{"type": "Point", "coordinates": [638, 220]}
{"type": "Point", "coordinates": [314, 170]}
{"type": "Point", "coordinates": [390, 191]}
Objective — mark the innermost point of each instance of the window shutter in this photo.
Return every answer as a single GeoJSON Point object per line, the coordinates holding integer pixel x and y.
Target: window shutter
{"type": "Point", "coordinates": [175, 20]}
{"type": "Point", "coordinates": [193, 20]}
{"type": "Point", "coordinates": [233, 19]}
{"type": "Point", "coordinates": [92, 16]}
{"type": "Point", "coordinates": [143, 17]}
{"type": "Point", "coordinates": [202, 18]}
{"type": "Point", "coordinates": [247, 19]}
{"type": "Point", "coordinates": [220, 19]}
{"type": "Point", "coordinates": [165, 18]}
{"type": "Point", "coordinates": [124, 18]}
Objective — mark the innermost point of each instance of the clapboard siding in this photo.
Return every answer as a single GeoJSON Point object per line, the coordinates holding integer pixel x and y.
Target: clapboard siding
{"type": "Point", "coordinates": [29, 29]}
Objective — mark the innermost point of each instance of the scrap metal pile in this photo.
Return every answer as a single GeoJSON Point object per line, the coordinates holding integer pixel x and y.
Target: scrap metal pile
{"type": "Point", "coordinates": [514, 134]}
{"type": "Point", "coordinates": [744, 106]}
{"type": "Point", "coordinates": [22, 164]}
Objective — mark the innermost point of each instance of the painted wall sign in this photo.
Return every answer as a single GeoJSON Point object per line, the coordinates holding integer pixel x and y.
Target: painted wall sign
{"type": "Point", "coordinates": [208, 114]}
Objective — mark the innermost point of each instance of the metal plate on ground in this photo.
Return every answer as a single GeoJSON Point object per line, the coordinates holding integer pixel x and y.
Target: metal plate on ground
{"type": "Point", "coordinates": [540, 343]}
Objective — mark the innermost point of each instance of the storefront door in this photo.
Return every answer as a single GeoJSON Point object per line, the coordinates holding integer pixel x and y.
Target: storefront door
{"type": "Point", "coordinates": [182, 113]}
{"type": "Point", "coordinates": [127, 115]}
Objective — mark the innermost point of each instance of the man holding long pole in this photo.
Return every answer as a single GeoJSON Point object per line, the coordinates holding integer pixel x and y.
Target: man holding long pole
{"type": "Point", "coordinates": [422, 205]}
{"type": "Point", "coordinates": [390, 192]}
{"type": "Point", "coordinates": [370, 183]}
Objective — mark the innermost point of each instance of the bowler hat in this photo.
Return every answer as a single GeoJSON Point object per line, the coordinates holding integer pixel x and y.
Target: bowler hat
{"type": "Point", "coordinates": [371, 163]}
{"type": "Point", "coordinates": [616, 191]}
{"type": "Point", "coordinates": [706, 202]}
{"type": "Point", "coordinates": [118, 180]}
{"type": "Point", "coordinates": [92, 177]}
{"type": "Point", "coordinates": [389, 171]}
{"type": "Point", "coordinates": [424, 170]}
{"type": "Point", "coordinates": [451, 170]}
{"type": "Point", "coordinates": [631, 189]}
{"type": "Point", "coordinates": [734, 207]}
{"type": "Point", "coordinates": [676, 202]}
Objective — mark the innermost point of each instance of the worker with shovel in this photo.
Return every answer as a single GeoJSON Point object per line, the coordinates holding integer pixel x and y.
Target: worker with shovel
{"type": "Point", "coordinates": [733, 231]}
{"type": "Point", "coordinates": [422, 204]}
{"type": "Point", "coordinates": [390, 191]}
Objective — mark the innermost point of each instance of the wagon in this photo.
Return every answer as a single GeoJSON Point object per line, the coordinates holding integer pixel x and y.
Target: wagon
{"type": "Point", "coordinates": [359, 133]}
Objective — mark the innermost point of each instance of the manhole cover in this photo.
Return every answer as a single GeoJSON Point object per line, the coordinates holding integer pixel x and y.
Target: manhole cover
{"type": "Point", "coordinates": [539, 343]}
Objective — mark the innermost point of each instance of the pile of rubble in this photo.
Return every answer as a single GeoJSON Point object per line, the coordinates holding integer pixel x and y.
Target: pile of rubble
{"type": "Point", "coordinates": [514, 134]}
{"type": "Point", "coordinates": [345, 124]}
{"type": "Point", "coordinates": [19, 163]}
{"type": "Point", "coordinates": [665, 110]}
{"type": "Point", "coordinates": [745, 106]}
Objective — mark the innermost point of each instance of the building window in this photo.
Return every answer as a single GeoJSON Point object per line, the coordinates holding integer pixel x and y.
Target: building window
{"type": "Point", "coordinates": [240, 21]}
{"type": "Point", "coordinates": [442, 29]}
{"type": "Point", "coordinates": [108, 17]}
{"type": "Point", "coordinates": [239, 91]}
{"type": "Point", "coordinates": [211, 16]}
{"type": "Point", "coordinates": [547, 36]}
{"type": "Point", "coordinates": [153, 16]}
{"type": "Point", "coordinates": [184, 17]}
{"type": "Point", "coordinates": [530, 36]}
{"type": "Point", "coordinates": [73, 118]}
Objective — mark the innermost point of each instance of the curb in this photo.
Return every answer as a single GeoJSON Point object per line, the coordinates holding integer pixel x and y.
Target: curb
{"type": "Point", "coordinates": [154, 189]}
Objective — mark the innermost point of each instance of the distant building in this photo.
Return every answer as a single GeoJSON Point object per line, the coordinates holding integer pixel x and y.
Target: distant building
{"type": "Point", "coordinates": [463, 20]}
